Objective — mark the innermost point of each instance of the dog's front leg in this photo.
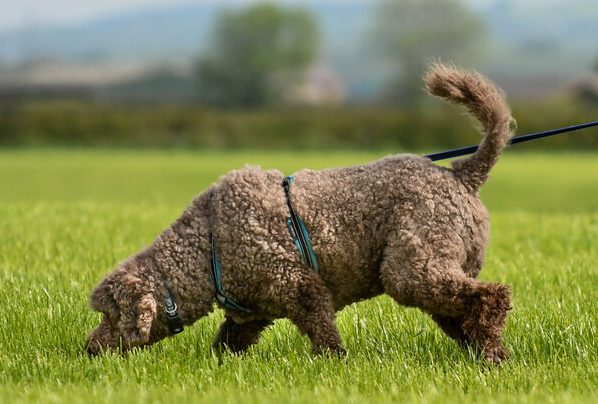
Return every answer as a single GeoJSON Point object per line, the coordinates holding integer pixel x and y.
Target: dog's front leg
{"type": "Point", "coordinates": [238, 337]}
{"type": "Point", "coordinates": [312, 311]}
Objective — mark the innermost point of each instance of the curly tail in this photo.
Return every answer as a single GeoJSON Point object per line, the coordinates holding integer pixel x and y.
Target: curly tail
{"type": "Point", "coordinates": [486, 103]}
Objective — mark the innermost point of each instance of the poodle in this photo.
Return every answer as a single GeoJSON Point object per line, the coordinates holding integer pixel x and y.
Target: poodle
{"type": "Point", "coordinates": [400, 225]}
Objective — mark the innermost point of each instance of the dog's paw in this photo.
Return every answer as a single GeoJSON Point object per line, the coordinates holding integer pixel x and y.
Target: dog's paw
{"type": "Point", "coordinates": [496, 354]}
{"type": "Point", "coordinates": [340, 352]}
{"type": "Point", "coordinates": [335, 350]}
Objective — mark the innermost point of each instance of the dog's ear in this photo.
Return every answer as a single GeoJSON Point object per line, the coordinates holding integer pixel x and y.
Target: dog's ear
{"type": "Point", "coordinates": [137, 309]}
{"type": "Point", "coordinates": [129, 302]}
{"type": "Point", "coordinates": [137, 331]}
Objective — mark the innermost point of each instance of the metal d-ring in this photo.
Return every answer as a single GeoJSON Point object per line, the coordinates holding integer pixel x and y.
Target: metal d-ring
{"type": "Point", "coordinates": [171, 307]}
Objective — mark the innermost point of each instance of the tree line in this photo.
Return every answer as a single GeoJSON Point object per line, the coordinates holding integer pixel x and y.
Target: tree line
{"type": "Point", "coordinates": [77, 124]}
{"type": "Point", "coordinates": [258, 52]}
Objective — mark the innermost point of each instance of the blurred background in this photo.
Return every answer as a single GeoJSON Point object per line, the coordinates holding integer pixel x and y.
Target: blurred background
{"type": "Point", "coordinates": [301, 74]}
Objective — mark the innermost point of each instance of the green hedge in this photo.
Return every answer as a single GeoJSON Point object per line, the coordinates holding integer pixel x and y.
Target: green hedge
{"type": "Point", "coordinates": [430, 127]}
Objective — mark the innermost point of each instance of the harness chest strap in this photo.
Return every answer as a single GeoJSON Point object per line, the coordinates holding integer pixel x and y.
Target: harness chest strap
{"type": "Point", "coordinates": [301, 240]}
{"type": "Point", "coordinates": [299, 231]}
{"type": "Point", "coordinates": [216, 279]}
{"type": "Point", "coordinates": [173, 319]}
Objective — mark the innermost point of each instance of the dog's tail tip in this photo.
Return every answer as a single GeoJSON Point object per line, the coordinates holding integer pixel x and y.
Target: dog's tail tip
{"type": "Point", "coordinates": [443, 80]}
{"type": "Point", "coordinates": [486, 103]}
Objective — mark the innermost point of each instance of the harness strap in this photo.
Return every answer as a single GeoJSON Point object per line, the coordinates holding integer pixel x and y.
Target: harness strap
{"type": "Point", "coordinates": [216, 279]}
{"type": "Point", "coordinates": [298, 230]}
{"type": "Point", "coordinates": [301, 240]}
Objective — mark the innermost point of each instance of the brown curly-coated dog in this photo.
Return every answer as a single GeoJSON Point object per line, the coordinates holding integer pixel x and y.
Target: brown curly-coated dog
{"type": "Point", "coordinates": [401, 226]}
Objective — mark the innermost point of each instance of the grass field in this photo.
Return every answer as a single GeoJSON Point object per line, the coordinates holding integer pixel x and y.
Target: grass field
{"type": "Point", "coordinates": [67, 217]}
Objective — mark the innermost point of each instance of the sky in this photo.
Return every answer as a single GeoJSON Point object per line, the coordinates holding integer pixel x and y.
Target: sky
{"type": "Point", "coordinates": [24, 13]}
{"type": "Point", "coordinates": [20, 13]}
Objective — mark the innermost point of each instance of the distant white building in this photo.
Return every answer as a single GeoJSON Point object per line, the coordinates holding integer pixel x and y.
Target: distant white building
{"type": "Point", "coordinates": [321, 85]}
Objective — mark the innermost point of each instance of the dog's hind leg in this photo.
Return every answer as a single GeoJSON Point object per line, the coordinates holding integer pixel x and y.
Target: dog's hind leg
{"type": "Point", "coordinates": [309, 306]}
{"type": "Point", "coordinates": [453, 327]}
{"type": "Point", "coordinates": [238, 337]}
{"type": "Point", "coordinates": [421, 275]}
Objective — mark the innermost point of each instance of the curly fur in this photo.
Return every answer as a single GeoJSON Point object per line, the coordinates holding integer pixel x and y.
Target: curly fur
{"type": "Point", "coordinates": [401, 226]}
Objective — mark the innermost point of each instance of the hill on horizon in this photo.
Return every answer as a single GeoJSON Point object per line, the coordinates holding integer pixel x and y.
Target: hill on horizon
{"type": "Point", "coordinates": [551, 41]}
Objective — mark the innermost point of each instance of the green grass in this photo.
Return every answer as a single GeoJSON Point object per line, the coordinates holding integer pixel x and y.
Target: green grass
{"type": "Point", "coordinates": [67, 217]}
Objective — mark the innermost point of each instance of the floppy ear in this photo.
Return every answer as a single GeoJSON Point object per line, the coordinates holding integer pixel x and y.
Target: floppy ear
{"type": "Point", "coordinates": [130, 304]}
{"type": "Point", "coordinates": [146, 313]}
{"type": "Point", "coordinates": [137, 309]}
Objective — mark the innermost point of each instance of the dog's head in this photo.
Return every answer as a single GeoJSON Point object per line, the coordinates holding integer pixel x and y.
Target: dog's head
{"type": "Point", "coordinates": [127, 300]}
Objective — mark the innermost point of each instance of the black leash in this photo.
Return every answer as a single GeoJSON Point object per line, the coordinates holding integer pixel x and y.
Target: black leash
{"type": "Point", "coordinates": [518, 139]}
{"type": "Point", "coordinates": [300, 234]}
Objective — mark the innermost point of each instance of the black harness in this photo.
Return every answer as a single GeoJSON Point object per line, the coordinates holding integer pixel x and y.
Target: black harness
{"type": "Point", "coordinates": [299, 231]}
{"type": "Point", "coordinates": [216, 279]}
{"type": "Point", "coordinates": [301, 240]}
{"type": "Point", "coordinates": [300, 236]}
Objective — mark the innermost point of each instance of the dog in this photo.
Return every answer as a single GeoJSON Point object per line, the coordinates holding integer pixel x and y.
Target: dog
{"type": "Point", "coordinates": [400, 225]}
